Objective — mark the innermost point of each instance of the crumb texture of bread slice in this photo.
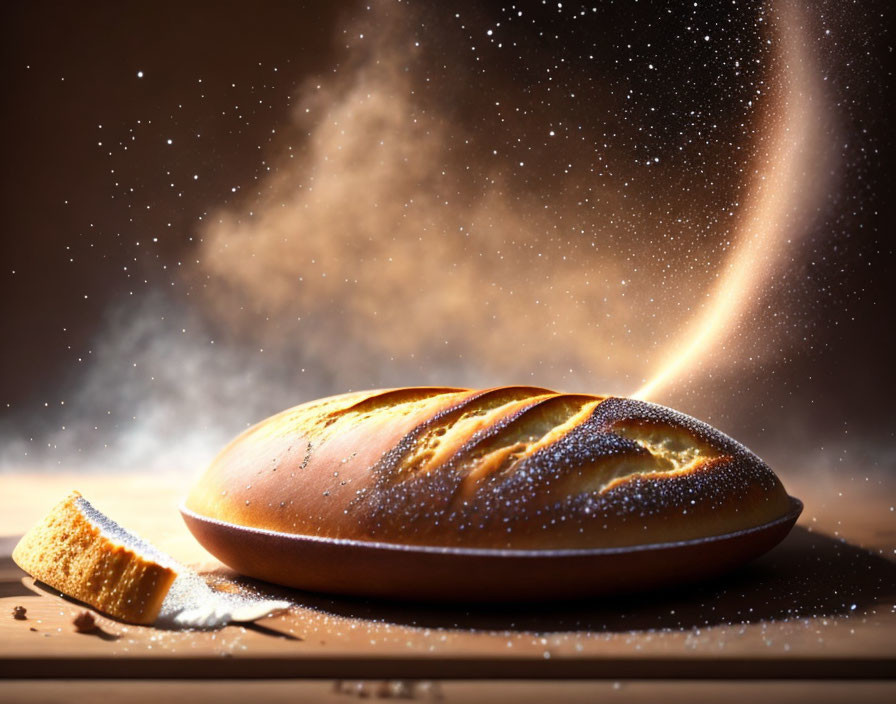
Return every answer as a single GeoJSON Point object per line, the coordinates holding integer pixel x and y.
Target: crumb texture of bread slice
{"type": "Point", "coordinates": [85, 555]}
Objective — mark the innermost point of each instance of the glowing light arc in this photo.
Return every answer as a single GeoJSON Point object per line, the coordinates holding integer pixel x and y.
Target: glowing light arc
{"type": "Point", "coordinates": [779, 199]}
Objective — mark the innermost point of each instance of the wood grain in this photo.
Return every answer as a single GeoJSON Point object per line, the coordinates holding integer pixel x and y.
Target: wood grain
{"type": "Point", "coordinates": [819, 605]}
{"type": "Point", "coordinates": [520, 692]}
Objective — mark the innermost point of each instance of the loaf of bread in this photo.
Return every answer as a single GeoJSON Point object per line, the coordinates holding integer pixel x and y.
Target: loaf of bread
{"type": "Point", "coordinates": [84, 554]}
{"type": "Point", "coordinates": [513, 467]}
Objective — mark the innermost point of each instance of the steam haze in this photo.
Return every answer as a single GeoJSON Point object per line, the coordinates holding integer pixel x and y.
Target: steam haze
{"type": "Point", "coordinates": [388, 236]}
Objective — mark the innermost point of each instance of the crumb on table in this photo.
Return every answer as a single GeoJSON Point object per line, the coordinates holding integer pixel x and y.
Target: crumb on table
{"type": "Point", "coordinates": [84, 622]}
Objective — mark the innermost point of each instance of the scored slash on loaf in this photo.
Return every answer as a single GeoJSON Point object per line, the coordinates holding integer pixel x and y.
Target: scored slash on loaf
{"type": "Point", "coordinates": [516, 467]}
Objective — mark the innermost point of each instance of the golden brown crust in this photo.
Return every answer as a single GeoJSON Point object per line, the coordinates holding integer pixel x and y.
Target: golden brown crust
{"type": "Point", "coordinates": [72, 551]}
{"type": "Point", "coordinates": [510, 467]}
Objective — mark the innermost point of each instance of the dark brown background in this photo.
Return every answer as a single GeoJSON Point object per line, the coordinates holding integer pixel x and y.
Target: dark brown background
{"type": "Point", "coordinates": [70, 231]}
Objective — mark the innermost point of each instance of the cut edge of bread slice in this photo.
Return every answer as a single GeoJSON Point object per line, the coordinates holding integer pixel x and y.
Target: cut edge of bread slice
{"type": "Point", "coordinates": [86, 555]}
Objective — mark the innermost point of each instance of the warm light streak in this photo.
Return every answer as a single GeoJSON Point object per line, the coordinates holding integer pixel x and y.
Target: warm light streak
{"type": "Point", "coordinates": [774, 214]}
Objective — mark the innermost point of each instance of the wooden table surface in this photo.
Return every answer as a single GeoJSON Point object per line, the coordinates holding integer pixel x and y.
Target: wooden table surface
{"type": "Point", "coordinates": [822, 605]}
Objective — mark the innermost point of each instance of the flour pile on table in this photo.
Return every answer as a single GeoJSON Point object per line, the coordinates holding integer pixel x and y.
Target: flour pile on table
{"type": "Point", "coordinates": [191, 603]}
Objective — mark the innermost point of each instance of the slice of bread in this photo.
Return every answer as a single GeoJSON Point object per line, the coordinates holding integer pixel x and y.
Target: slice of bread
{"type": "Point", "coordinates": [85, 555]}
